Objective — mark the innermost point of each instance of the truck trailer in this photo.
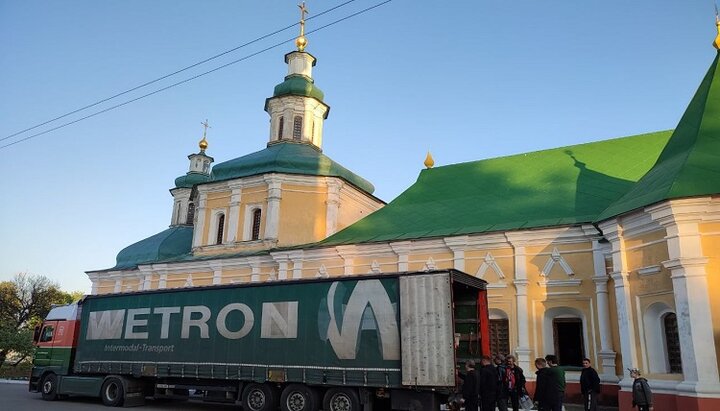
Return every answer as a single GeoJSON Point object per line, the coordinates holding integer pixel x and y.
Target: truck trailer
{"type": "Point", "coordinates": [344, 343]}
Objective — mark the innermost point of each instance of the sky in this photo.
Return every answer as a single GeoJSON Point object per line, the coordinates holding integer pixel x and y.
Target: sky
{"type": "Point", "coordinates": [467, 80]}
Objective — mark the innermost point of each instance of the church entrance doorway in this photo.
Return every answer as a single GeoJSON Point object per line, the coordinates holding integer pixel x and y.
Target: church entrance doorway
{"type": "Point", "coordinates": [569, 344]}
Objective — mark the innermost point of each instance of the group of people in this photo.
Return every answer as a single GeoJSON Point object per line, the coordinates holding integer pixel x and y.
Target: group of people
{"type": "Point", "coordinates": [500, 383]}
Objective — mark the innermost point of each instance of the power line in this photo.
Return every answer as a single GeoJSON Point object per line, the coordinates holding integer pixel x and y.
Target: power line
{"type": "Point", "coordinates": [173, 73]}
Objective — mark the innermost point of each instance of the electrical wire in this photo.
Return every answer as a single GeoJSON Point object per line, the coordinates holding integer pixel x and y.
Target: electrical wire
{"type": "Point", "coordinates": [173, 73]}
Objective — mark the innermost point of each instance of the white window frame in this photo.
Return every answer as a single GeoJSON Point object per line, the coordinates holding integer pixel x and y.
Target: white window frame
{"type": "Point", "coordinates": [215, 214]}
{"type": "Point", "coordinates": [248, 220]}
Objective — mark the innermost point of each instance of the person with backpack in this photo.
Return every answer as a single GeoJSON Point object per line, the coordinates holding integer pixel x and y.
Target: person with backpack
{"type": "Point", "coordinates": [641, 394]}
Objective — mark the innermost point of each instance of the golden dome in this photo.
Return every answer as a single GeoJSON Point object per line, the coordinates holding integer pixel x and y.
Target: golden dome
{"type": "Point", "coordinates": [301, 42]}
{"type": "Point", "coordinates": [203, 144]}
{"type": "Point", "coordinates": [429, 162]}
{"type": "Point", "coordinates": [716, 43]}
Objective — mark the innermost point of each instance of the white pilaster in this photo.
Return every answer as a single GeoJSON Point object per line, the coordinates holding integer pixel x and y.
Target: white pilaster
{"type": "Point", "coordinates": [255, 270]}
{"type": "Point", "coordinates": [272, 219]}
{"type": "Point", "coordinates": [613, 232]}
{"type": "Point", "coordinates": [333, 206]}
{"type": "Point", "coordinates": [199, 229]}
{"type": "Point", "coordinates": [523, 323]}
{"type": "Point", "coordinates": [688, 267]}
{"type": "Point", "coordinates": [217, 273]}
{"type": "Point", "coordinates": [297, 260]}
{"type": "Point", "coordinates": [607, 354]}
{"type": "Point", "coordinates": [234, 217]}
{"type": "Point", "coordinates": [347, 253]}
{"type": "Point", "coordinates": [457, 245]}
{"type": "Point", "coordinates": [118, 285]}
{"type": "Point", "coordinates": [402, 250]}
{"type": "Point", "coordinates": [162, 282]}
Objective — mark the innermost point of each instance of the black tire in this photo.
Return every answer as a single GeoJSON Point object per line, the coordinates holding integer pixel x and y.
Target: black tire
{"type": "Point", "coordinates": [260, 397]}
{"type": "Point", "coordinates": [341, 399]}
{"type": "Point", "coordinates": [299, 397]}
{"type": "Point", "coordinates": [112, 392]}
{"type": "Point", "coordinates": [48, 387]}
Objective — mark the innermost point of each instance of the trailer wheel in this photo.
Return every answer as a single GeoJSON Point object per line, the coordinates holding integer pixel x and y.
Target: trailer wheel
{"type": "Point", "coordinates": [259, 397]}
{"type": "Point", "coordinates": [341, 399]}
{"type": "Point", "coordinates": [298, 397]}
{"type": "Point", "coordinates": [112, 392]}
{"type": "Point", "coordinates": [48, 388]}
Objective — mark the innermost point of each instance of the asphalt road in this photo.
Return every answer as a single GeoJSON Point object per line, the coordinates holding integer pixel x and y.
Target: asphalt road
{"type": "Point", "coordinates": [15, 397]}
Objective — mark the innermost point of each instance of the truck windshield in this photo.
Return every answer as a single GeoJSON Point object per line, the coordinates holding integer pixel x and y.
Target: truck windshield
{"type": "Point", "coordinates": [47, 334]}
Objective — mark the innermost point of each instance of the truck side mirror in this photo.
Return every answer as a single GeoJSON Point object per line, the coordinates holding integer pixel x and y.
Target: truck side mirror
{"type": "Point", "coordinates": [36, 333]}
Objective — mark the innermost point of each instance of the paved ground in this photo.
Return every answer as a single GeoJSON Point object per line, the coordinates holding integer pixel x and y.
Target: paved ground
{"type": "Point", "coordinates": [15, 396]}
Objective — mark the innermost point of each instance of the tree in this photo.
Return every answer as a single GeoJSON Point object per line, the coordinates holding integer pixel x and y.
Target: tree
{"type": "Point", "coordinates": [24, 302]}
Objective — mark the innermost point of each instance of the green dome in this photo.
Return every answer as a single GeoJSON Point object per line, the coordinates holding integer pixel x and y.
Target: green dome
{"type": "Point", "coordinates": [190, 179]}
{"type": "Point", "coordinates": [298, 85]}
{"type": "Point", "coordinates": [173, 242]}
{"type": "Point", "coordinates": [289, 158]}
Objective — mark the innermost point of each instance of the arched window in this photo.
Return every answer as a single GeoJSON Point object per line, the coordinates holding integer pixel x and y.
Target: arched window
{"type": "Point", "coordinates": [220, 229]}
{"type": "Point", "coordinates": [672, 343]}
{"type": "Point", "coordinates": [256, 224]}
{"type": "Point", "coordinates": [190, 214]}
{"type": "Point", "coordinates": [297, 128]}
{"type": "Point", "coordinates": [281, 125]}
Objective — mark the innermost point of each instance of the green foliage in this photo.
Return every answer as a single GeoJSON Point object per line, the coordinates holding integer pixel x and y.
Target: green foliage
{"type": "Point", "coordinates": [24, 302]}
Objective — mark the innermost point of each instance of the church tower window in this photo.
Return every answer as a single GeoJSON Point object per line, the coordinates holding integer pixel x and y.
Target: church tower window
{"type": "Point", "coordinates": [281, 125]}
{"type": "Point", "coordinates": [297, 128]}
{"type": "Point", "coordinates": [672, 343]}
{"type": "Point", "coordinates": [220, 228]}
{"type": "Point", "coordinates": [256, 224]}
{"type": "Point", "coordinates": [190, 214]}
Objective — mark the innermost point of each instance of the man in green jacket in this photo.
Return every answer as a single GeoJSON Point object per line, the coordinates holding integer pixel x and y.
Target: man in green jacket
{"type": "Point", "coordinates": [558, 377]}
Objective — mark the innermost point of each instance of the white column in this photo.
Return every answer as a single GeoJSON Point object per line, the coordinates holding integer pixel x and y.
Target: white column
{"type": "Point", "coordinates": [402, 250]}
{"type": "Point", "coordinates": [347, 253]}
{"type": "Point", "coordinates": [217, 273]}
{"type": "Point", "coordinates": [234, 215]}
{"type": "Point", "coordinates": [523, 323]}
{"type": "Point", "coordinates": [272, 219]}
{"type": "Point", "coordinates": [687, 265]}
{"type": "Point", "coordinates": [333, 206]}
{"type": "Point", "coordinates": [619, 274]}
{"type": "Point", "coordinates": [457, 245]}
{"type": "Point", "coordinates": [162, 282]}
{"type": "Point", "coordinates": [118, 285]}
{"type": "Point", "coordinates": [199, 229]}
{"type": "Point", "coordinates": [255, 270]}
{"type": "Point", "coordinates": [282, 261]}
{"type": "Point", "coordinates": [95, 282]}
{"type": "Point", "coordinates": [606, 355]}
{"type": "Point", "coordinates": [296, 258]}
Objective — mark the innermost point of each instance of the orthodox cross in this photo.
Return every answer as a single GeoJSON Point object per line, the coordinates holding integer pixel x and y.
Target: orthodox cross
{"type": "Point", "coordinates": [303, 12]}
{"type": "Point", "coordinates": [206, 126]}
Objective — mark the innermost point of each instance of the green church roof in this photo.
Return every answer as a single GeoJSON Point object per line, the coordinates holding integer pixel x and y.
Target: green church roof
{"type": "Point", "coordinates": [690, 163]}
{"type": "Point", "coordinates": [290, 158]}
{"type": "Point", "coordinates": [298, 85]}
{"type": "Point", "coordinates": [562, 186]}
{"type": "Point", "coordinates": [190, 179]}
{"type": "Point", "coordinates": [173, 242]}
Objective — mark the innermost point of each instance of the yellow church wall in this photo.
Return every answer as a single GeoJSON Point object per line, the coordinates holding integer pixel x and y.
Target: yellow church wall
{"type": "Point", "coordinates": [504, 258]}
{"type": "Point", "coordinates": [214, 200]}
{"type": "Point", "coordinates": [250, 197]}
{"type": "Point", "coordinates": [646, 250]}
{"type": "Point", "coordinates": [333, 266]}
{"type": "Point", "coordinates": [302, 214]}
{"type": "Point", "coordinates": [106, 286]}
{"type": "Point", "coordinates": [711, 250]}
{"type": "Point", "coordinates": [351, 210]}
{"type": "Point", "coordinates": [417, 262]}
{"type": "Point", "coordinates": [241, 275]}
{"type": "Point", "coordinates": [362, 265]}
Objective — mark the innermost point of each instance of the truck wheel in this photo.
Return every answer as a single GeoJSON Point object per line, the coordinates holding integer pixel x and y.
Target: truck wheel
{"type": "Point", "coordinates": [341, 399]}
{"type": "Point", "coordinates": [259, 397]}
{"type": "Point", "coordinates": [112, 392]}
{"type": "Point", "coordinates": [298, 397]}
{"type": "Point", "coordinates": [48, 388]}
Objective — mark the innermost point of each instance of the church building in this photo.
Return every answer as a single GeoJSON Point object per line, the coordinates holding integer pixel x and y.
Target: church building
{"type": "Point", "coordinates": [608, 250]}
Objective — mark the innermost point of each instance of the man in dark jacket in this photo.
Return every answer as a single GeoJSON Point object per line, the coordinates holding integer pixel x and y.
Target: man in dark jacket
{"type": "Point", "coordinates": [499, 361]}
{"type": "Point", "coordinates": [558, 375]}
{"type": "Point", "coordinates": [470, 387]}
{"type": "Point", "coordinates": [487, 378]}
{"type": "Point", "coordinates": [589, 385]}
{"type": "Point", "coordinates": [546, 393]}
{"type": "Point", "coordinates": [513, 385]}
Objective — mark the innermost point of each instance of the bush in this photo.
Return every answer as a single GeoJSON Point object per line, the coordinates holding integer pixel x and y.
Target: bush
{"type": "Point", "coordinates": [18, 372]}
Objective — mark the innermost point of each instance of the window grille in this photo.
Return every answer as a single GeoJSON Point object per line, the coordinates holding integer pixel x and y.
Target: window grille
{"type": "Point", "coordinates": [297, 128]}
{"type": "Point", "coordinates": [220, 229]}
{"type": "Point", "coordinates": [672, 342]}
{"type": "Point", "coordinates": [281, 124]}
{"type": "Point", "coordinates": [256, 224]}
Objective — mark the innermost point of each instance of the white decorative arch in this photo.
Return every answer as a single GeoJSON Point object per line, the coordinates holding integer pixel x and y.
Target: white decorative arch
{"type": "Point", "coordinates": [214, 220]}
{"type": "Point", "coordinates": [497, 314]}
{"type": "Point", "coordinates": [489, 263]}
{"type": "Point", "coordinates": [547, 328]}
{"type": "Point", "coordinates": [656, 358]}
{"type": "Point", "coordinates": [556, 258]}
